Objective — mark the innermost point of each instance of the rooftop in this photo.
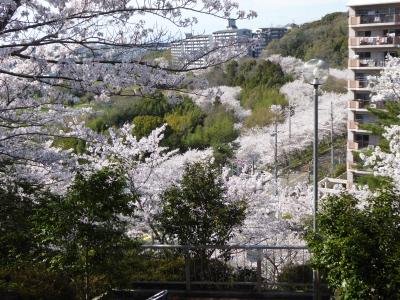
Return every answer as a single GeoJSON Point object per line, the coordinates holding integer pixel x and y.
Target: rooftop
{"type": "Point", "coordinates": [231, 30]}
{"type": "Point", "coordinates": [371, 2]}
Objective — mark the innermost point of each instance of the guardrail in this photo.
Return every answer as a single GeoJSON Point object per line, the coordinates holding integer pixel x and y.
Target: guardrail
{"type": "Point", "coordinates": [254, 267]}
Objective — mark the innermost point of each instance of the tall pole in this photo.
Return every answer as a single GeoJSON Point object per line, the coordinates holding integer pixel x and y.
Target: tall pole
{"type": "Point", "coordinates": [290, 139]}
{"type": "Point", "coordinates": [332, 148]}
{"type": "Point", "coordinates": [315, 183]}
{"type": "Point", "coordinates": [276, 155]}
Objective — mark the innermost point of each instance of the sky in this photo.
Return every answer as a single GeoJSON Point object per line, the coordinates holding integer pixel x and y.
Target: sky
{"type": "Point", "coordinates": [274, 13]}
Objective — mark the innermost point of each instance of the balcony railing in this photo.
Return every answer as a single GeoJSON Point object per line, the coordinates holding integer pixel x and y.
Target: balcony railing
{"type": "Point", "coordinates": [389, 41]}
{"type": "Point", "coordinates": [374, 19]}
{"type": "Point", "coordinates": [353, 125]}
{"type": "Point", "coordinates": [358, 84]}
{"type": "Point", "coordinates": [366, 63]}
{"type": "Point", "coordinates": [358, 104]}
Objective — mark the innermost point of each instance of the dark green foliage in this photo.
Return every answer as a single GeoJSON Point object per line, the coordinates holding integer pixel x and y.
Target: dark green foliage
{"type": "Point", "coordinates": [196, 212]}
{"type": "Point", "coordinates": [359, 248]}
{"type": "Point", "coordinates": [248, 73]}
{"type": "Point", "coordinates": [296, 274]}
{"type": "Point", "coordinates": [125, 109]}
{"type": "Point", "coordinates": [217, 130]}
{"type": "Point", "coordinates": [16, 209]}
{"type": "Point", "coordinates": [84, 234]}
{"type": "Point", "coordinates": [326, 39]}
{"type": "Point", "coordinates": [182, 122]}
{"type": "Point", "coordinates": [34, 282]}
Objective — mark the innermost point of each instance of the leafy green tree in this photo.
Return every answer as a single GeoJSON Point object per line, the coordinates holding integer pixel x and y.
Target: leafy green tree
{"type": "Point", "coordinates": [218, 129]}
{"type": "Point", "coordinates": [182, 121]}
{"type": "Point", "coordinates": [196, 212]}
{"type": "Point", "coordinates": [357, 246]}
{"type": "Point", "coordinates": [85, 234]}
{"type": "Point", "coordinates": [16, 208]}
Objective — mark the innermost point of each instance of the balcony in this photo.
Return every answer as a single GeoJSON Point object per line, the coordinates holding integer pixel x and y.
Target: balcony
{"type": "Point", "coordinates": [360, 84]}
{"type": "Point", "coordinates": [366, 64]}
{"type": "Point", "coordinates": [353, 125]}
{"type": "Point", "coordinates": [374, 19]}
{"type": "Point", "coordinates": [358, 105]}
{"type": "Point", "coordinates": [374, 42]}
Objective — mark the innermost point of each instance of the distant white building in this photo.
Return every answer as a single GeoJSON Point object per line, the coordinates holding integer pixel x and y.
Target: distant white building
{"type": "Point", "coordinates": [192, 46]}
{"type": "Point", "coordinates": [231, 34]}
{"type": "Point", "coordinates": [195, 46]}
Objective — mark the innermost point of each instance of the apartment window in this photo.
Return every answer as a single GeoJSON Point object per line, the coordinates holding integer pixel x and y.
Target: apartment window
{"type": "Point", "coordinates": [362, 140]}
{"type": "Point", "coordinates": [364, 55]}
{"type": "Point", "coordinates": [360, 118]}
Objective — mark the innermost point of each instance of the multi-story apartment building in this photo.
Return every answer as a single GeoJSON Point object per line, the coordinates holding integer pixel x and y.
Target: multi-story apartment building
{"type": "Point", "coordinates": [374, 32]}
{"type": "Point", "coordinates": [183, 51]}
{"type": "Point", "coordinates": [232, 35]}
{"type": "Point", "coordinates": [195, 46]}
{"type": "Point", "coordinates": [266, 35]}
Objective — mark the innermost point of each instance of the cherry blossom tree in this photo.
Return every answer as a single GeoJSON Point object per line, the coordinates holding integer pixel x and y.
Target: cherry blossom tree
{"type": "Point", "coordinates": [53, 52]}
{"type": "Point", "coordinates": [386, 86]}
{"type": "Point", "coordinates": [387, 164]}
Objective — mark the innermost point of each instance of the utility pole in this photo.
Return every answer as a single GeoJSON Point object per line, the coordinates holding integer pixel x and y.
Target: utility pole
{"type": "Point", "coordinates": [332, 147]}
{"type": "Point", "coordinates": [290, 139]}
{"type": "Point", "coordinates": [276, 155]}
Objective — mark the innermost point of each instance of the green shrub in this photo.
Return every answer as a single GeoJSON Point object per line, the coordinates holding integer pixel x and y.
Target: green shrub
{"type": "Point", "coordinates": [259, 100]}
{"type": "Point", "coordinates": [144, 125]}
{"type": "Point", "coordinates": [218, 128]}
{"type": "Point", "coordinates": [124, 110]}
{"type": "Point", "coordinates": [36, 283]}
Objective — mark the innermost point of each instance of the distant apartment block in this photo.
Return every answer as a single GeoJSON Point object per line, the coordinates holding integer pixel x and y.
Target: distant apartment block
{"type": "Point", "coordinates": [195, 45]}
{"type": "Point", "coordinates": [265, 36]}
{"type": "Point", "coordinates": [231, 35]}
{"type": "Point", "coordinates": [374, 32]}
{"type": "Point", "coordinates": [183, 51]}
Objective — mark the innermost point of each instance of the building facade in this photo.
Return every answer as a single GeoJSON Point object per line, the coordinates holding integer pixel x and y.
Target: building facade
{"type": "Point", "coordinates": [232, 36]}
{"type": "Point", "coordinates": [374, 32]}
{"type": "Point", "coordinates": [265, 36]}
{"type": "Point", "coordinates": [190, 50]}
{"type": "Point", "coordinates": [195, 46]}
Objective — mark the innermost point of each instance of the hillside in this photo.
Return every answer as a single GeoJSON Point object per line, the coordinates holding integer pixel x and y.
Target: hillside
{"type": "Point", "coordinates": [326, 39]}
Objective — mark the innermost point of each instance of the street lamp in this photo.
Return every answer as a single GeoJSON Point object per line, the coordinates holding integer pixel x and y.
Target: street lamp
{"type": "Point", "coordinates": [316, 73]}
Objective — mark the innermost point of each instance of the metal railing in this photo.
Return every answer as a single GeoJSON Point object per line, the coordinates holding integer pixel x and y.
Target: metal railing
{"type": "Point", "coordinates": [255, 267]}
{"type": "Point", "coordinates": [389, 41]}
{"type": "Point", "coordinates": [359, 83]}
{"type": "Point", "coordinates": [367, 63]}
{"type": "Point", "coordinates": [374, 19]}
